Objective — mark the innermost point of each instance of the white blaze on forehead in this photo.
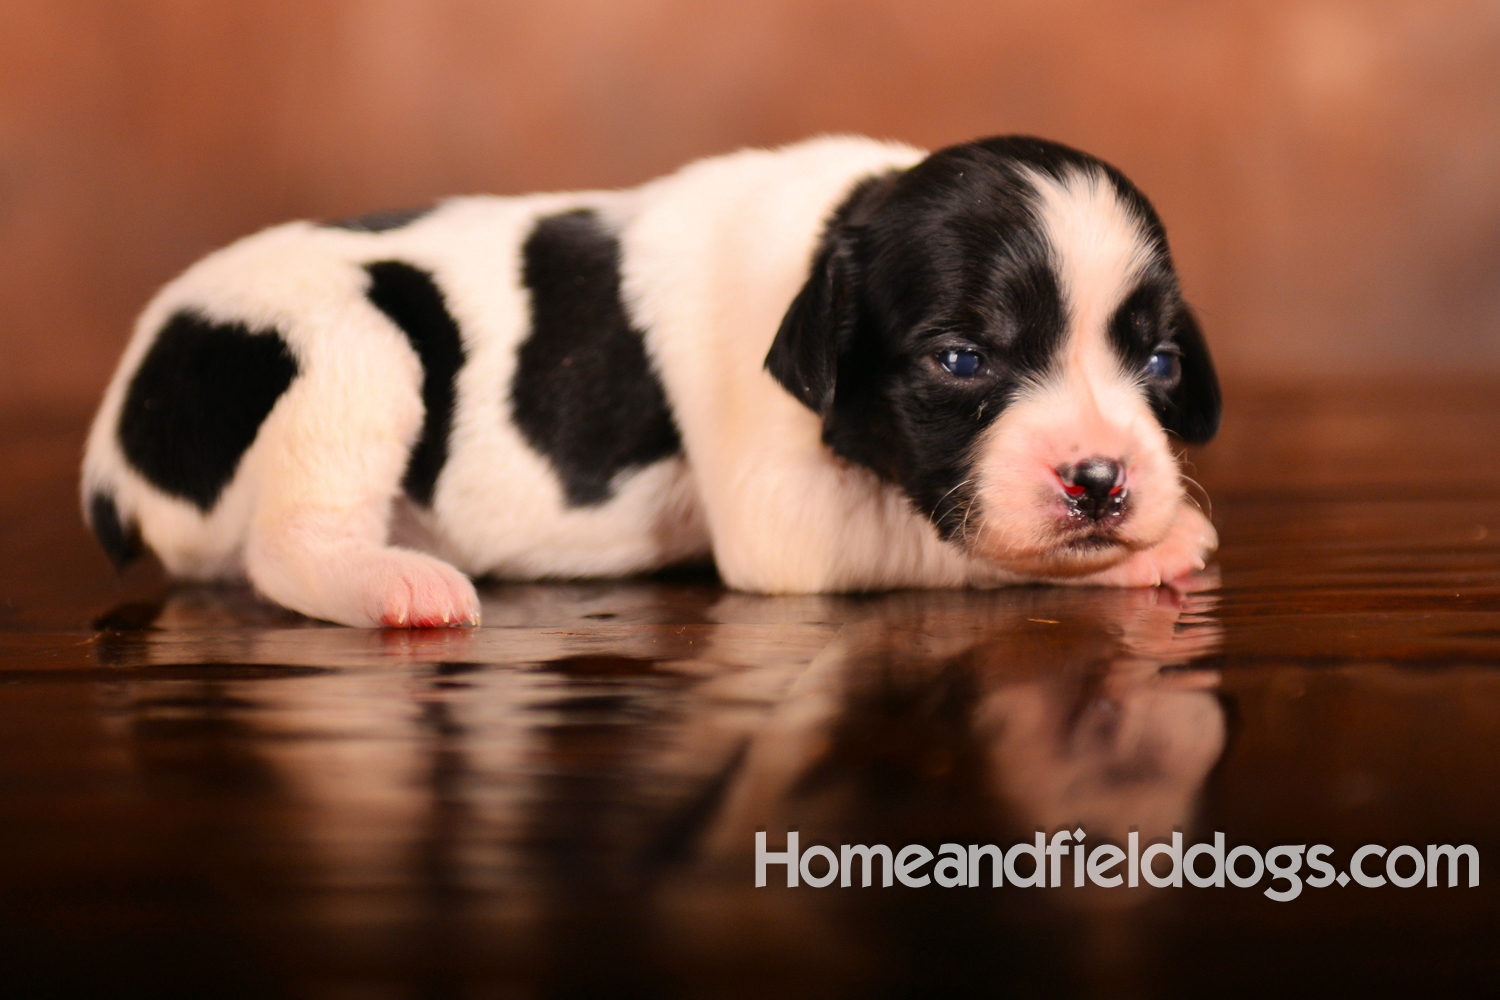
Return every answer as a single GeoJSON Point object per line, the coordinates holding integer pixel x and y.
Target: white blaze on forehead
{"type": "Point", "coordinates": [1099, 248]}
{"type": "Point", "coordinates": [1099, 244]}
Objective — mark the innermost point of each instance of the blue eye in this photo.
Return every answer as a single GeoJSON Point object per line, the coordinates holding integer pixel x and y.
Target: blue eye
{"type": "Point", "coordinates": [960, 364]}
{"type": "Point", "coordinates": [1163, 366]}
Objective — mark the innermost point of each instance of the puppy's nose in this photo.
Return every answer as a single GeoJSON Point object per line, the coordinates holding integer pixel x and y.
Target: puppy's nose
{"type": "Point", "coordinates": [1095, 486]}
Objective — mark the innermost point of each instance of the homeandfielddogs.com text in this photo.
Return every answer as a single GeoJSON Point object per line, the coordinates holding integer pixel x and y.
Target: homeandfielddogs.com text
{"type": "Point", "coordinates": [1041, 864]}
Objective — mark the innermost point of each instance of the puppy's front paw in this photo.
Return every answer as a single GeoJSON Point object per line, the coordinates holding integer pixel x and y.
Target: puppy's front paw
{"type": "Point", "coordinates": [409, 590]}
{"type": "Point", "coordinates": [1189, 543]}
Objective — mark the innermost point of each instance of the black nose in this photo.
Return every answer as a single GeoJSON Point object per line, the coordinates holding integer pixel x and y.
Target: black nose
{"type": "Point", "coordinates": [1095, 487]}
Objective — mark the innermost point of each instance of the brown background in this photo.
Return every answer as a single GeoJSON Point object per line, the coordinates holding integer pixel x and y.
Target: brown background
{"type": "Point", "coordinates": [1329, 172]}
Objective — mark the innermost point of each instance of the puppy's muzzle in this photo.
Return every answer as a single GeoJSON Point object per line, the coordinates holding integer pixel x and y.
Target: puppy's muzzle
{"type": "Point", "coordinates": [1095, 488]}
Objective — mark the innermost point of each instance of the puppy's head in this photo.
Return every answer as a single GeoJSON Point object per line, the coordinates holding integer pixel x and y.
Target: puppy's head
{"type": "Point", "coordinates": [999, 331]}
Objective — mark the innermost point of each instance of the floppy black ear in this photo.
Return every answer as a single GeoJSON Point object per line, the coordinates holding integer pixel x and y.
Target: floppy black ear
{"type": "Point", "coordinates": [1194, 406]}
{"type": "Point", "coordinates": [804, 357]}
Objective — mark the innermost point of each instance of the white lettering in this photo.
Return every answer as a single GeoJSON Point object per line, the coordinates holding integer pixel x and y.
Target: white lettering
{"type": "Point", "coordinates": [1103, 858]}
{"type": "Point", "coordinates": [997, 864]}
{"type": "Point", "coordinates": [1214, 851]}
{"type": "Point", "coordinates": [1325, 871]}
{"type": "Point", "coordinates": [1287, 870]}
{"type": "Point", "coordinates": [912, 856]}
{"type": "Point", "coordinates": [1172, 851]}
{"type": "Point", "coordinates": [819, 881]}
{"type": "Point", "coordinates": [1037, 851]}
{"type": "Point", "coordinates": [1358, 872]}
{"type": "Point", "coordinates": [868, 856]}
{"type": "Point", "coordinates": [1417, 873]}
{"type": "Point", "coordinates": [787, 857]}
{"type": "Point", "coordinates": [1434, 853]}
{"type": "Point", "coordinates": [1244, 852]}
{"type": "Point", "coordinates": [957, 865]}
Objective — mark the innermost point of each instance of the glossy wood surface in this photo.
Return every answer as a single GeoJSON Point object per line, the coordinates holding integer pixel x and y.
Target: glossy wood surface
{"type": "Point", "coordinates": [203, 796]}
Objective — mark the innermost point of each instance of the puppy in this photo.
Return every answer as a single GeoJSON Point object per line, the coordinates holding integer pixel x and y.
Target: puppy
{"type": "Point", "coordinates": [842, 365]}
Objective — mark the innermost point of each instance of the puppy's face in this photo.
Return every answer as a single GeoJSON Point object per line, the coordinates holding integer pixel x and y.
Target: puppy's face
{"type": "Point", "coordinates": [999, 331]}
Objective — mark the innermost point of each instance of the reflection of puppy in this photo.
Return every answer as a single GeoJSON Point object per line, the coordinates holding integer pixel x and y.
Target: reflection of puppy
{"type": "Point", "coordinates": [1116, 753]}
{"type": "Point", "coordinates": [974, 384]}
{"type": "Point", "coordinates": [1054, 710]}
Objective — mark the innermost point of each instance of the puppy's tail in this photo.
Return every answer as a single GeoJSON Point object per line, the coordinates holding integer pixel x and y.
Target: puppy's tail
{"type": "Point", "coordinates": [119, 536]}
{"type": "Point", "coordinates": [115, 525]}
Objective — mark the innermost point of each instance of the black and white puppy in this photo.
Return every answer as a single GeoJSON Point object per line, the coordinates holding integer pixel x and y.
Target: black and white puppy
{"type": "Point", "coordinates": [841, 365]}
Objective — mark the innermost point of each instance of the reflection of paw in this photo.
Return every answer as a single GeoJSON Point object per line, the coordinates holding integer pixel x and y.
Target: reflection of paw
{"type": "Point", "coordinates": [1185, 550]}
{"type": "Point", "coordinates": [409, 590]}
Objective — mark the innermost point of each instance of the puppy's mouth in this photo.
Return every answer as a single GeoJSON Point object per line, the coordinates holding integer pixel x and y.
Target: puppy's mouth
{"type": "Point", "coordinates": [1067, 550]}
{"type": "Point", "coordinates": [1094, 541]}
{"type": "Point", "coordinates": [1089, 543]}
{"type": "Point", "coordinates": [1068, 543]}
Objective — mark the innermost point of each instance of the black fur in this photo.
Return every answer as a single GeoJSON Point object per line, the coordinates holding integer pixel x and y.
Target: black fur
{"type": "Point", "coordinates": [1154, 318]}
{"type": "Point", "coordinates": [382, 221]}
{"type": "Point", "coordinates": [413, 301]}
{"type": "Point", "coordinates": [120, 542]}
{"type": "Point", "coordinates": [197, 401]}
{"type": "Point", "coordinates": [951, 255]}
{"type": "Point", "coordinates": [1192, 410]}
{"type": "Point", "coordinates": [584, 393]}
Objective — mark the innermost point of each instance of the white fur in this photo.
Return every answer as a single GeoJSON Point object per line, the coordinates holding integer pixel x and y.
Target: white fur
{"type": "Point", "coordinates": [712, 255]}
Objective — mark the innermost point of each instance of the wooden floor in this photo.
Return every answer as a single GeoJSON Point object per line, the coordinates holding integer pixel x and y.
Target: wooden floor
{"type": "Point", "coordinates": [203, 796]}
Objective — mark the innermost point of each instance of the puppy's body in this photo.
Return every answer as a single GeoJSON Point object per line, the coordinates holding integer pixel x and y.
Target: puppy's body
{"type": "Point", "coordinates": [602, 383]}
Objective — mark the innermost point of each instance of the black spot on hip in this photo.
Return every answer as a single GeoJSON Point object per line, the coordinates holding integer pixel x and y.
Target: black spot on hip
{"type": "Point", "coordinates": [197, 401]}
{"type": "Point", "coordinates": [382, 221]}
{"type": "Point", "coordinates": [584, 394]}
{"type": "Point", "coordinates": [120, 542]}
{"type": "Point", "coordinates": [412, 300]}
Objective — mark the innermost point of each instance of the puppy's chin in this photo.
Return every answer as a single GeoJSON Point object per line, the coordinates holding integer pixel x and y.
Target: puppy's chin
{"type": "Point", "coordinates": [1068, 556]}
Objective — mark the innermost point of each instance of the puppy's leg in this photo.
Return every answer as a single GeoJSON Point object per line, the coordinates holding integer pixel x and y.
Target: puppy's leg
{"type": "Point", "coordinates": [329, 468]}
{"type": "Point", "coordinates": [330, 563]}
{"type": "Point", "coordinates": [1189, 543]}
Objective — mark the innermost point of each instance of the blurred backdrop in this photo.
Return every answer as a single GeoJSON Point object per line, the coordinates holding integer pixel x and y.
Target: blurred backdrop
{"type": "Point", "coordinates": [1329, 172]}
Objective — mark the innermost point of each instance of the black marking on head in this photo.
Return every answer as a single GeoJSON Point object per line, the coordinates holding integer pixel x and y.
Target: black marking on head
{"type": "Point", "coordinates": [197, 401]}
{"type": "Point", "coordinates": [1193, 409]}
{"type": "Point", "coordinates": [382, 221]}
{"type": "Point", "coordinates": [584, 393]}
{"type": "Point", "coordinates": [1154, 319]}
{"type": "Point", "coordinates": [413, 301]}
{"type": "Point", "coordinates": [950, 255]}
{"type": "Point", "coordinates": [120, 542]}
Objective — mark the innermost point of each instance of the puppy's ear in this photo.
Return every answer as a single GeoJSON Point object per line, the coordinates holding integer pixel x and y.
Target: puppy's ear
{"type": "Point", "coordinates": [1193, 407]}
{"type": "Point", "coordinates": [804, 357]}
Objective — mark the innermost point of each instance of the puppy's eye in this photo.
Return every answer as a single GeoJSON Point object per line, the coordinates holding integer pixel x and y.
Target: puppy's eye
{"type": "Point", "coordinates": [961, 364]}
{"type": "Point", "coordinates": [1163, 368]}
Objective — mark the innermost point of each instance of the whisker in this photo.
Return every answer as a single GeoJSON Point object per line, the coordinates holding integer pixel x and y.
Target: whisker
{"type": "Point", "coordinates": [963, 528]}
{"type": "Point", "coordinates": [1209, 513]}
{"type": "Point", "coordinates": [938, 506]}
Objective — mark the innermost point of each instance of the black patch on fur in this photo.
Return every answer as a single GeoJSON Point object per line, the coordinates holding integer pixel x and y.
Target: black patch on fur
{"type": "Point", "coordinates": [382, 221]}
{"type": "Point", "coordinates": [1154, 318]}
{"type": "Point", "coordinates": [197, 401]}
{"type": "Point", "coordinates": [121, 543]}
{"type": "Point", "coordinates": [584, 393]}
{"type": "Point", "coordinates": [951, 255]}
{"type": "Point", "coordinates": [1192, 410]}
{"type": "Point", "coordinates": [413, 301]}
